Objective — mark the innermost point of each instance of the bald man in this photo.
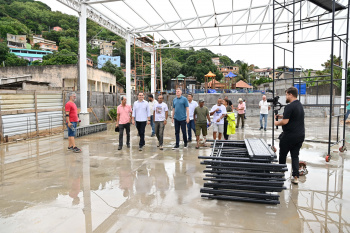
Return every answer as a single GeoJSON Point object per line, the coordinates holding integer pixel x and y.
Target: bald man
{"type": "Point", "coordinates": [264, 111]}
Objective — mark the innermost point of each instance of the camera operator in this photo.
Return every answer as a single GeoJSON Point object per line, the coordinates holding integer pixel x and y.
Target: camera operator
{"type": "Point", "coordinates": [293, 135]}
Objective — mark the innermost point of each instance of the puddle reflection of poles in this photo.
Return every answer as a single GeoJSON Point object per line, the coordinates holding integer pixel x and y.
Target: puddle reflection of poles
{"type": "Point", "coordinates": [37, 157]}
{"type": "Point", "coordinates": [86, 188]}
{"type": "Point", "coordinates": [2, 158]}
{"type": "Point", "coordinates": [327, 198]}
{"type": "Point", "coordinates": [341, 190]}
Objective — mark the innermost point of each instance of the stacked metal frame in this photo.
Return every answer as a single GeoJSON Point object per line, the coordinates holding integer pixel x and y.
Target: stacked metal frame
{"type": "Point", "coordinates": [294, 9]}
{"type": "Point", "coordinates": [243, 171]}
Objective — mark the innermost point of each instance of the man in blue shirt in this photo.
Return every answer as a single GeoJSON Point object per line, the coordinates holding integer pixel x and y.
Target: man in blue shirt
{"type": "Point", "coordinates": [181, 117]}
{"type": "Point", "coordinates": [347, 107]}
{"type": "Point", "coordinates": [141, 115]}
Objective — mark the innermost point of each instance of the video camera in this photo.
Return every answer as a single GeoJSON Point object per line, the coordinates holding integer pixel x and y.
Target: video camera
{"type": "Point", "coordinates": [276, 105]}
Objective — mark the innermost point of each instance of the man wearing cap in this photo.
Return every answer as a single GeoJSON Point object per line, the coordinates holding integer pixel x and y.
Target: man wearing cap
{"type": "Point", "coordinates": [218, 111]}
{"type": "Point", "coordinates": [240, 110]}
{"type": "Point", "coordinates": [191, 126]}
{"type": "Point", "coordinates": [200, 117]}
{"type": "Point", "coordinates": [160, 116]}
{"type": "Point", "coordinates": [347, 107]}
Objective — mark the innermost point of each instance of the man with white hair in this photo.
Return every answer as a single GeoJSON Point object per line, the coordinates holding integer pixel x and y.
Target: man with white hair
{"type": "Point", "coordinates": [218, 111]}
{"type": "Point", "coordinates": [264, 112]}
{"type": "Point", "coordinates": [72, 121]}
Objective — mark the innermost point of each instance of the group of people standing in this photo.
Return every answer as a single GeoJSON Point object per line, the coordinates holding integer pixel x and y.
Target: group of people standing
{"type": "Point", "coordinates": [187, 112]}
{"type": "Point", "coordinates": [188, 116]}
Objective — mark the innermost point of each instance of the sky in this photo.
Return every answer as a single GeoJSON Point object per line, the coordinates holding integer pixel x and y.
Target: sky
{"type": "Point", "coordinates": [307, 56]}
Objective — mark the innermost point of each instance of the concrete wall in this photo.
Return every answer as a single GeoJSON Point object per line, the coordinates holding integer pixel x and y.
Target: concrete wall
{"type": "Point", "coordinates": [281, 85]}
{"type": "Point", "coordinates": [97, 101]}
{"type": "Point", "coordinates": [62, 76]}
{"type": "Point", "coordinates": [252, 101]}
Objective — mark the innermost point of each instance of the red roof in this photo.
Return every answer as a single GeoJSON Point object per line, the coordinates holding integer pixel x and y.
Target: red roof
{"type": "Point", "coordinates": [242, 84]}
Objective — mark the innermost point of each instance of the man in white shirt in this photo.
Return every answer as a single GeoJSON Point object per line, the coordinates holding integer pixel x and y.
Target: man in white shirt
{"type": "Point", "coordinates": [264, 111]}
{"type": "Point", "coordinates": [190, 125]}
{"type": "Point", "coordinates": [219, 112]}
{"type": "Point", "coordinates": [141, 117]}
{"type": "Point", "coordinates": [152, 102]}
{"type": "Point", "coordinates": [160, 116]}
{"type": "Point", "coordinates": [245, 109]}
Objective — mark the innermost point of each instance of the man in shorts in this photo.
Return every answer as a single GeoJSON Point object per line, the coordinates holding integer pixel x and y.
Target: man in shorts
{"type": "Point", "coordinates": [218, 111]}
{"type": "Point", "coordinates": [200, 116]}
{"type": "Point", "coordinates": [72, 121]}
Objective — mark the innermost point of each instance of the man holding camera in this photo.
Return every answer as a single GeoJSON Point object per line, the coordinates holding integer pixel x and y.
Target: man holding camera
{"type": "Point", "coordinates": [293, 135]}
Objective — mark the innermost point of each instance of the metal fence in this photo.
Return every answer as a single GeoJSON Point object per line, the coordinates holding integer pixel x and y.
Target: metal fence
{"type": "Point", "coordinates": [27, 112]}
{"type": "Point", "coordinates": [196, 91]}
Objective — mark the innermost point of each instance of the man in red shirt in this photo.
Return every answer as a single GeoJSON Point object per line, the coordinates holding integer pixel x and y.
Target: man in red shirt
{"type": "Point", "coordinates": [72, 121]}
{"type": "Point", "coordinates": [123, 121]}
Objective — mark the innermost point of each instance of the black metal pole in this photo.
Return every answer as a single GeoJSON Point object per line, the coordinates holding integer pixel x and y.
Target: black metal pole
{"type": "Point", "coordinates": [331, 88]}
{"type": "Point", "coordinates": [274, 73]}
{"type": "Point", "coordinates": [293, 38]}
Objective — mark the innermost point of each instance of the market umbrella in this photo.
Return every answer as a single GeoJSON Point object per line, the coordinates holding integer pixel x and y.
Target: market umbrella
{"type": "Point", "coordinates": [210, 74]}
{"type": "Point", "coordinates": [230, 75]}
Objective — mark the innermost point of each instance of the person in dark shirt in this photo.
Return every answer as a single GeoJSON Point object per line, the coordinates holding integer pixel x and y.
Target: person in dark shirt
{"type": "Point", "coordinates": [293, 135]}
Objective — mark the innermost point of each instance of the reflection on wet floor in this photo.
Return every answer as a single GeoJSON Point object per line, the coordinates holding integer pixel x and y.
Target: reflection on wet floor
{"type": "Point", "coordinates": [45, 188]}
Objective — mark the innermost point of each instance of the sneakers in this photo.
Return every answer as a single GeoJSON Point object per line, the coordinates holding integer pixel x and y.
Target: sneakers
{"type": "Point", "coordinates": [295, 180]}
{"type": "Point", "coordinates": [76, 150]}
{"type": "Point", "coordinates": [261, 128]}
{"type": "Point", "coordinates": [70, 148]}
{"type": "Point", "coordinates": [119, 147]}
{"type": "Point", "coordinates": [176, 147]}
{"type": "Point", "coordinates": [265, 129]}
{"type": "Point", "coordinates": [185, 145]}
{"type": "Point", "coordinates": [140, 148]}
{"type": "Point", "coordinates": [160, 147]}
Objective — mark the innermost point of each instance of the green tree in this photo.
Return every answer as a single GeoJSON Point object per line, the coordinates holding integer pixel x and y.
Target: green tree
{"type": "Point", "coordinates": [12, 26]}
{"type": "Point", "coordinates": [62, 57]}
{"type": "Point", "coordinates": [69, 43]}
{"type": "Point", "coordinates": [115, 70]}
{"type": "Point", "coordinates": [226, 61]}
{"type": "Point", "coordinates": [200, 64]}
{"type": "Point", "coordinates": [4, 50]}
{"type": "Point", "coordinates": [13, 60]}
{"type": "Point", "coordinates": [171, 69]}
{"type": "Point", "coordinates": [36, 46]}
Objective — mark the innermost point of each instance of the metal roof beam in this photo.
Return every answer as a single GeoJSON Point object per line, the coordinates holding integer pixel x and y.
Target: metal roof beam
{"type": "Point", "coordinates": [104, 21]}
{"type": "Point", "coordinates": [101, 1]}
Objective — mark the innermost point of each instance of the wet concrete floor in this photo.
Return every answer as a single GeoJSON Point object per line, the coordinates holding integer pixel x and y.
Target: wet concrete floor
{"type": "Point", "coordinates": [45, 188]}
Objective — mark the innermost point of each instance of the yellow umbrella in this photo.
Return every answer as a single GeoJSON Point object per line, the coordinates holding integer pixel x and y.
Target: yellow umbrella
{"type": "Point", "coordinates": [210, 74]}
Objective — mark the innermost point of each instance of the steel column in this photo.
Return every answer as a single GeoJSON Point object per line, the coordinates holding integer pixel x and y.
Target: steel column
{"type": "Point", "coordinates": [128, 65]}
{"type": "Point", "coordinates": [84, 115]}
